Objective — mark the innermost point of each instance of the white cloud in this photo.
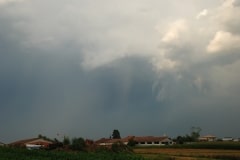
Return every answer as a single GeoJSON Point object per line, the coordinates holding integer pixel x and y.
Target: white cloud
{"type": "Point", "coordinates": [162, 63]}
{"type": "Point", "coordinates": [202, 14]}
{"type": "Point", "coordinates": [174, 33]}
{"type": "Point", "coordinates": [227, 16]}
{"type": "Point", "coordinates": [227, 3]}
{"type": "Point", "coordinates": [95, 60]}
{"type": "Point", "coordinates": [223, 41]}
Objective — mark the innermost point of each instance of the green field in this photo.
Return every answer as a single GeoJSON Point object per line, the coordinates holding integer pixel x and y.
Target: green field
{"type": "Point", "coordinates": [194, 151]}
{"type": "Point", "coordinates": [24, 154]}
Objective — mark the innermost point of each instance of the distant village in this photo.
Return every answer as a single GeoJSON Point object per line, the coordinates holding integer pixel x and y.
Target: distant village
{"type": "Point", "coordinates": [42, 142]}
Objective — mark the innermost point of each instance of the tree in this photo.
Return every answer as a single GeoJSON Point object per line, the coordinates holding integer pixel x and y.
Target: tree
{"type": "Point", "coordinates": [195, 133]}
{"type": "Point", "coordinates": [40, 136]}
{"type": "Point", "coordinates": [66, 140]}
{"type": "Point", "coordinates": [120, 147]}
{"type": "Point", "coordinates": [56, 140]}
{"type": "Point", "coordinates": [116, 134]}
{"type": "Point", "coordinates": [193, 137]}
{"type": "Point", "coordinates": [179, 140]}
{"type": "Point", "coordinates": [44, 137]}
{"type": "Point", "coordinates": [78, 144]}
{"type": "Point", "coordinates": [131, 142]}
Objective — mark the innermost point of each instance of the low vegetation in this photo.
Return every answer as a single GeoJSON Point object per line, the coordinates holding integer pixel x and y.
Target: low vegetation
{"type": "Point", "coordinates": [204, 151]}
{"type": "Point", "coordinates": [7, 153]}
{"type": "Point", "coordinates": [203, 145]}
{"type": "Point", "coordinates": [187, 148]}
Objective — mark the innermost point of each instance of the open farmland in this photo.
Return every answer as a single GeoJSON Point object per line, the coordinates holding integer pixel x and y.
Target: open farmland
{"type": "Point", "coordinates": [187, 154]}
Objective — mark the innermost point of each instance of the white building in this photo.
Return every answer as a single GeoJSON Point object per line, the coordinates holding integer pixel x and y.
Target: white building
{"type": "Point", "coordinates": [207, 138]}
{"type": "Point", "coordinates": [152, 141]}
{"type": "Point", "coordinates": [227, 139]}
{"type": "Point", "coordinates": [140, 141]}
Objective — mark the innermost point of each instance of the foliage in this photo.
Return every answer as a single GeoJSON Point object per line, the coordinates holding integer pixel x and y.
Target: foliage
{"type": "Point", "coordinates": [55, 145]}
{"type": "Point", "coordinates": [131, 142]}
{"type": "Point", "coordinates": [120, 147]}
{"type": "Point", "coordinates": [66, 140]}
{"type": "Point", "coordinates": [78, 144]}
{"type": "Point", "coordinates": [195, 133]}
{"type": "Point", "coordinates": [44, 137]}
{"type": "Point", "coordinates": [116, 134]}
{"type": "Point", "coordinates": [183, 139]}
{"type": "Point", "coordinates": [193, 137]}
{"type": "Point", "coordinates": [24, 154]}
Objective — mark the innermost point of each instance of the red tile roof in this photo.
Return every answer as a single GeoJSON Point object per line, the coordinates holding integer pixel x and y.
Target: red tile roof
{"type": "Point", "coordinates": [149, 139]}
{"type": "Point", "coordinates": [22, 143]}
{"type": "Point", "coordinates": [102, 140]}
{"type": "Point", "coordinates": [209, 136]}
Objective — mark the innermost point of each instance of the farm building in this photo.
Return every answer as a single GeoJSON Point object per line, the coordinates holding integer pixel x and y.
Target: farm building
{"type": "Point", "coordinates": [139, 141]}
{"type": "Point", "coordinates": [227, 139]}
{"type": "Point", "coordinates": [109, 142]}
{"type": "Point", "coordinates": [152, 141]}
{"type": "Point", "coordinates": [207, 138]}
{"type": "Point", "coordinates": [33, 142]}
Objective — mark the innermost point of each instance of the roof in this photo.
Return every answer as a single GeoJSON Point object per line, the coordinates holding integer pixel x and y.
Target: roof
{"type": "Point", "coordinates": [137, 139]}
{"type": "Point", "coordinates": [208, 136]}
{"type": "Point", "coordinates": [29, 141]}
{"type": "Point", "coordinates": [150, 139]}
{"type": "Point", "coordinates": [102, 140]}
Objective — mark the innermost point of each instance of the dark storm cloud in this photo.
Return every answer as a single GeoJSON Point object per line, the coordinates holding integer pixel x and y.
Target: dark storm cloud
{"type": "Point", "coordinates": [44, 88]}
{"type": "Point", "coordinates": [83, 69]}
{"type": "Point", "coordinates": [236, 3]}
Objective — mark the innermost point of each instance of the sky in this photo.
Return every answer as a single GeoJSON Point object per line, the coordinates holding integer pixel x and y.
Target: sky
{"type": "Point", "coordinates": [82, 68]}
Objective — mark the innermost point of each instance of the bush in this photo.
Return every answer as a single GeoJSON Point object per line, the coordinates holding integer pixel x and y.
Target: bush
{"type": "Point", "coordinates": [24, 154]}
{"type": "Point", "coordinates": [78, 144]}
{"type": "Point", "coordinates": [120, 147]}
{"type": "Point", "coordinates": [131, 142]}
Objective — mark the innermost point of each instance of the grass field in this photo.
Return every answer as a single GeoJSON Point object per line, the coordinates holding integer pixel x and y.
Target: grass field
{"type": "Point", "coordinates": [187, 154]}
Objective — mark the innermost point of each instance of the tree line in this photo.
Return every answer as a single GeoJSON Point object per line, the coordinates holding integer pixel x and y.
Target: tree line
{"type": "Point", "coordinates": [79, 144]}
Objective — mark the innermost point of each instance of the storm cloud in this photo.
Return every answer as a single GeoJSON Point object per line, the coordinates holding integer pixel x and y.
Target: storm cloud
{"type": "Point", "coordinates": [84, 68]}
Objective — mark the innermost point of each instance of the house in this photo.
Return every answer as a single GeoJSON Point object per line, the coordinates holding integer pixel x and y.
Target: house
{"type": "Point", "coordinates": [33, 143]}
{"type": "Point", "coordinates": [102, 142]}
{"type": "Point", "coordinates": [227, 139]}
{"type": "Point", "coordinates": [207, 138]}
{"type": "Point", "coordinates": [139, 141]}
{"type": "Point", "coordinates": [109, 142]}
